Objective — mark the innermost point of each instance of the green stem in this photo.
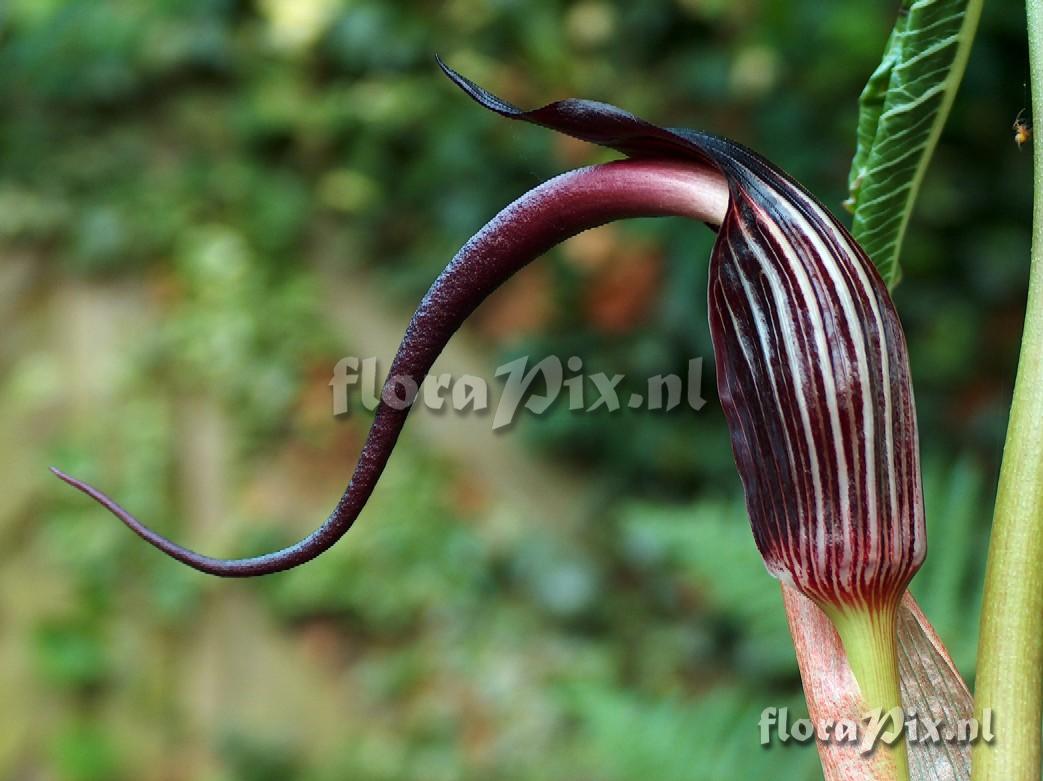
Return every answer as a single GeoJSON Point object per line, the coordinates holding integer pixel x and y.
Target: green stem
{"type": "Point", "coordinates": [1010, 649]}
{"type": "Point", "coordinates": [870, 644]}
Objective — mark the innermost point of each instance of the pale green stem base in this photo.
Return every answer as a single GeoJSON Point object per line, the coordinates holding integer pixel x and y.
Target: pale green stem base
{"type": "Point", "coordinates": [1010, 648]}
{"type": "Point", "coordinates": [1011, 644]}
{"type": "Point", "coordinates": [870, 642]}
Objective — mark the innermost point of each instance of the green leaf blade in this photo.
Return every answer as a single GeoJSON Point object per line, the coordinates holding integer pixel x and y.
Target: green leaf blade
{"type": "Point", "coordinates": [901, 114]}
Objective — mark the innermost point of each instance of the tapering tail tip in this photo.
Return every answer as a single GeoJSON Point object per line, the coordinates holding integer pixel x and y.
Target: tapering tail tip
{"type": "Point", "coordinates": [97, 496]}
{"type": "Point", "coordinates": [67, 478]}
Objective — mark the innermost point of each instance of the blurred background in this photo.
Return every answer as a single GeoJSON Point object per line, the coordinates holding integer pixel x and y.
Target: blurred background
{"type": "Point", "coordinates": [204, 204]}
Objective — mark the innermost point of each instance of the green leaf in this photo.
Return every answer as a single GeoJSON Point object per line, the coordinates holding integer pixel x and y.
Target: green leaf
{"type": "Point", "coordinates": [870, 106]}
{"type": "Point", "coordinates": [901, 114]}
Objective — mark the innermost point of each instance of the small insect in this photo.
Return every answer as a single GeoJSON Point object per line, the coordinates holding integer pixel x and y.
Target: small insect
{"type": "Point", "coordinates": [1022, 130]}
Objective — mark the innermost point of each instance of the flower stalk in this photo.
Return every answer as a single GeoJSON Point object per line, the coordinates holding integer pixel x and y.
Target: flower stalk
{"type": "Point", "coordinates": [870, 644]}
{"type": "Point", "coordinates": [1010, 646]}
{"type": "Point", "coordinates": [931, 688]}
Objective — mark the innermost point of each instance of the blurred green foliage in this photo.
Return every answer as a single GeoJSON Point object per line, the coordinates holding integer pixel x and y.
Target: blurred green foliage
{"type": "Point", "coordinates": [180, 183]}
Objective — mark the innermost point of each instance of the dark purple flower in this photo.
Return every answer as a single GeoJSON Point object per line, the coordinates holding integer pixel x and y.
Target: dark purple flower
{"type": "Point", "coordinates": [812, 367]}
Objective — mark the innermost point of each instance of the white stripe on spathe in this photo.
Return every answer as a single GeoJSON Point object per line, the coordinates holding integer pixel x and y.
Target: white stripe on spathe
{"type": "Point", "coordinates": [829, 262]}
{"type": "Point", "coordinates": [768, 348]}
{"type": "Point", "coordinates": [794, 360]}
{"type": "Point", "coordinates": [794, 567]}
{"type": "Point", "coordinates": [824, 366]}
{"type": "Point", "coordinates": [856, 263]}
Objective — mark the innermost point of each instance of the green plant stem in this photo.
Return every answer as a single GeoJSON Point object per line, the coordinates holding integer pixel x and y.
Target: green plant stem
{"type": "Point", "coordinates": [870, 643]}
{"type": "Point", "coordinates": [1010, 648]}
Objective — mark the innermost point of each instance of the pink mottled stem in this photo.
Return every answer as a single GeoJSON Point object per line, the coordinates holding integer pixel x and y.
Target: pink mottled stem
{"type": "Point", "coordinates": [931, 686]}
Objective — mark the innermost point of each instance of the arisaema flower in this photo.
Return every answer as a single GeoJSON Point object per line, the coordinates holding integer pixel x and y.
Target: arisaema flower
{"type": "Point", "coordinates": [812, 367]}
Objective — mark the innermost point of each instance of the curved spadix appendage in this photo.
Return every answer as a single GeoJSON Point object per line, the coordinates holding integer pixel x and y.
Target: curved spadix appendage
{"type": "Point", "coordinates": [560, 208]}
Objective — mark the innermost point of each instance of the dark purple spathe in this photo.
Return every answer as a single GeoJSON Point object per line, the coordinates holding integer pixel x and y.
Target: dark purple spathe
{"type": "Point", "coordinates": [811, 360]}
